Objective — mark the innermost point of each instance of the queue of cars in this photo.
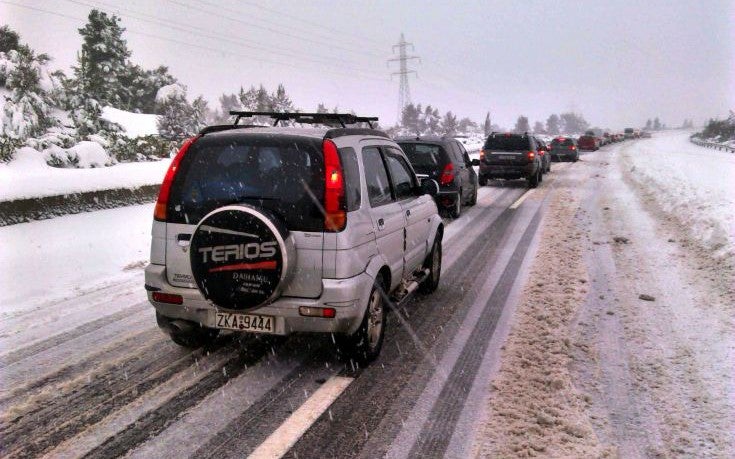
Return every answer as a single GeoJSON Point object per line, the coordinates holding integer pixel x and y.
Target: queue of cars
{"type": "Point", "coordinates": [278, 230]}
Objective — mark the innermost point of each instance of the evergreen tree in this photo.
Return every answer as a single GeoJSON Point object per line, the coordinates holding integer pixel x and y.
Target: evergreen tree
{"type": "Point", "coordinates": [449, 124]}
{"type": "Point", "coordinates": [321, 108]}
{"type": "Point", "coordinates": [410, 119]}
{"type": "Point", "coordinates": [656, 124]}
{"type": "Point", "coordinates": [103, 60]}
{"type": "Point", "coordinates": [466, 125]}
{"type": "Point", "coordinates": [522, 125]}
{"type": "Point", "coordinates": [552, 124]}
{"type": "Point", "coordinates": [9, 39]}
{"type": "Point", "coordinates": [649, 125]}
{"type": "Point", "coordinates": [538, 128]}
{"type": "Point", "coordinates": [177, 118]}
{"type": "Point", "coordinates": [487, 126]}
{"type": "Point", "coordinates": [201, 115]}
{"type": "Point", "coordinates": [431, 120]}
{"type": "Point", "coordinates": [572, 123]}
{"type": "Point", "coordinates": [280, 101]}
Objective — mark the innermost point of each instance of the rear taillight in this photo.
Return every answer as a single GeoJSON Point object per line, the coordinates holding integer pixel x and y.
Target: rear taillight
{"type": "Point", "coordinates": [160, 211]}
{"type": "Point", "coordinates": [572, 147]}
{"type": "Point", "coordinates": [531, 155]}
{"type": "Point", "coordinates": [482, 154]}
{"type": "Point", "coordinates": [335, 207]}
{"type": "Point", "coordinates": [447, 176]}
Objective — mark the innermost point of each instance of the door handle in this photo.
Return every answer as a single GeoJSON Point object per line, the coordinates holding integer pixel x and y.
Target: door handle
{"type": "Point", "coordinates": [408, 212]}
{"type": "Point", "coordinates": [381, 223]}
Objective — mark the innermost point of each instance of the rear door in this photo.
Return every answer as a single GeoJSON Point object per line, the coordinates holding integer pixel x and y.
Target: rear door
{"type": "Point", "coordinates": [507, 150]}
{"type": "Point", "coordinates": [281, 174]}
{"type": "Point", "coordinates": [417, 209]}
{"type": "Point", "coordinates": [387, 214]}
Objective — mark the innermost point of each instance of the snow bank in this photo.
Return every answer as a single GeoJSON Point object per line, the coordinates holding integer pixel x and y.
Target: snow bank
{"type": "Point", "coordinates": [692, 184]}
{"type": "Point", "coordinates": [28, 175]}
{"type": "Point", "coordinates": [134, 124]}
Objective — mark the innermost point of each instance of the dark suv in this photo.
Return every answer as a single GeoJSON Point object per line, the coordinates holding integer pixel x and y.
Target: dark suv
{"type": "Point", "coordinates": [511, 156]}
{"type": "Point", "coordinates": [445, 160]}
{"type": "Point", "coordinates": [564, 149]}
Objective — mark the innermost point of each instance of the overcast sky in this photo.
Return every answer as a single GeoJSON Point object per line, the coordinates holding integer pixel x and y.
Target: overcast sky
{"type": "Point", "coordinates": [616, 62]}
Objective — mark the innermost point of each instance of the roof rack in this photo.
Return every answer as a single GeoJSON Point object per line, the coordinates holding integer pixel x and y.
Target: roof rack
{"type": "Point", "coordinates": [308, 118]}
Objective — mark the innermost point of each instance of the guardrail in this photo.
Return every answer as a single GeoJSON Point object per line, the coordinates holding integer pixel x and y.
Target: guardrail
{"type": "Point", "coordinates": [714, 145]}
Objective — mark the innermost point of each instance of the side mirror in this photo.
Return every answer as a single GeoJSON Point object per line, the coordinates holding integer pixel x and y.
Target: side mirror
{"type": "Point", "coordinates": [430, 187]}
{"type": "Point", "coordinates": [475, 162]}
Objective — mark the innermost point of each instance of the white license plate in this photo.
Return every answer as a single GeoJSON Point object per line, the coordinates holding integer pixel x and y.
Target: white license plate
{"type": "Point", "coordinates": [245, 322]}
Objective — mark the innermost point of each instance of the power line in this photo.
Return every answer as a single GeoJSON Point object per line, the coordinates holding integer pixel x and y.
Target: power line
{"type": "Point", "coordinates": [258, 26]}
{"type": "Point", "coordinates": [192, 45]}
{"type": "Point", "coordinates": [193, 30]}
{"type": "Point", "coordinates": [404, 92]}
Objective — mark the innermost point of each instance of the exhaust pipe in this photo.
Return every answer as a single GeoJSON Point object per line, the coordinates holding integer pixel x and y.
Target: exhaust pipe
{"type": "Point", "coordinates": [181, 327]}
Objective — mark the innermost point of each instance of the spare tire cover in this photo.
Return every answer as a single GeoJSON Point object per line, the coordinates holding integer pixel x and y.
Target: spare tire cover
{"type": "Point", "coordinates": [240, 256]}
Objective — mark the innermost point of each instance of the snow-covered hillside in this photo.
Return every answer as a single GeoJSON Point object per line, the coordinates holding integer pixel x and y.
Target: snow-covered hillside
{"type": "Point", "coordinates": [693, 185]}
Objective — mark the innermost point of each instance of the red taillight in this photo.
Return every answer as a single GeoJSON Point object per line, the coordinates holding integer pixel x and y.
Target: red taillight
{"type": "Point", "coordinates": [167, 298]}
{"type": "Point", "coordinates": [327, 313]}
{"type": "Point", "coordinates": [160, 211]}
{"type": "Point", "coordinates": [482, 154]}
{"type": "Point", "coordinates": [572, 147]}
{"type": "Point", "coordinates": [335, 208]}
{"type": "Point", "coordinates": [447, 176]}
{"type": "Point", "coordinates": [531, 155]}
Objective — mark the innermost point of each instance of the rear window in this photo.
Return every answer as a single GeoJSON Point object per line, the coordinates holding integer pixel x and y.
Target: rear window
{"type": "Point", "coordinates": [283, 174]}
{"type": "Point", "coordinates": [562, 142]}
{"type": "Point", "coordinates": [423, 155]}
{"type": "Point", "coordinates": [507, 143]}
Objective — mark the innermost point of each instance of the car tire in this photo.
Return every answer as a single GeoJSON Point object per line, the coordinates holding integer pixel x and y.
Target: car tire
{"type": "Point", "coordinates": [473, 199]}
{"type": "Point", "coordinates": [434, 264]}
{"type": "Point", "coordinates": [456, 210]}
{"type": "Point", "coordinates": [364, 345]}
{"type": "Point", "coordinates": [534, 180]}
{"type": "Point", "coordinates": [482, 181]}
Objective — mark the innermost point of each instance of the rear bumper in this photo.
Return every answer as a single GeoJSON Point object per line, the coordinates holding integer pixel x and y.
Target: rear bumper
{"type": "Point", "coordinates": [564, 155]}
{"type": "Point", "coordinates": [446, 198]}
{"type": "Point", "coordinates": [507, 172]}
{"type": "Point", "coordinates": [347, 296]}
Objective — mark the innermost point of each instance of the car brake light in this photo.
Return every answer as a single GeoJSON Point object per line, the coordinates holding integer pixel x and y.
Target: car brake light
{"type": "Point", "coordinates": [531, 155]}
{"type": "Point", "coordinates": [335, 208]}
{"type": "Point", "coordinates": [447, 175]}
{"type": "Point", "coordinates": [482, 154]}
{"type": "Point", "coordinates": [159, 212]}
{"type": "Point", "coordinates": [572, 147]}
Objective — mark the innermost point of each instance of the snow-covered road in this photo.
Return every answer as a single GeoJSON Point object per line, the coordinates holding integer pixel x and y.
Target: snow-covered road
{"type": "Point", "coordinates": [85, 372]}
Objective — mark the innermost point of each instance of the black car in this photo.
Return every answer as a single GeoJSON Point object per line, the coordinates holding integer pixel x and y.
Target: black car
{"type": "Point", "coordinates": [445, 160]}
{"type": "Point", "coordinates": [564, 149]}
{"type": "Point", "coordinates": [511, 156]}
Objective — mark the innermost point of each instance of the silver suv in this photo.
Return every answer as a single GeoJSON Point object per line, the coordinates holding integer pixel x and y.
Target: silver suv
{"type": "Point", "coordinates": [282, 229]}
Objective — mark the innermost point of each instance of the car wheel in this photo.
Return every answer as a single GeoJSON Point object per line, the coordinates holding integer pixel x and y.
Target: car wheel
{"type": "Point", "coordinates": [534, 180]}
{"type": "Point", "coordinates": [482, 181]}
{"type": "Point", "coordinates": [434, 264]}
{"type": "Point", "coordinates": [365, 344]}
{"type": "Point", "coordinates": [457, 208]}
{"type": "Point", "coordinates": [473, 198]}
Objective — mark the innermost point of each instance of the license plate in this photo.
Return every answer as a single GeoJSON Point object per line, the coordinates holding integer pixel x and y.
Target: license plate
{"type": "Point", "coordinates": [245, 322]}
{"type": "Point", "coordinates": [508, 158]}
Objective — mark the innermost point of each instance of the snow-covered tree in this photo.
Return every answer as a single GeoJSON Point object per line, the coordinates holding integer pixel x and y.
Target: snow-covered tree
{"type": "Point", "coordinates": [321, 108]}
{"type": "Point", "coordinates": [649, 124]}
{"type": "Point", "coordinates": [449, 124]}
{"type": "Point", "coordinates": [656, 124]}
{"type": "Point", "coordinates": [538, 128]}
{"type": "Point", "coordinates": [487, 127]}
{"type": "Point", "coordinates": [572, 123]}
{"type": "Point", "coordinates": [522, 125]}
{"type": "Point", "coordinates": [103, 60]}
{"type": "Point", "coordinates": [430, 122]}
{"type": "Point", "coordinates": [176, 119]}
{"type": "Point", "coordinates": [552, 124]}
{"type": "Point", "coordinates": [466, 125]}
{"type": "Point", "coordinates": [410, 119]}
{"type": "Point", "coordinates": [280, 100]}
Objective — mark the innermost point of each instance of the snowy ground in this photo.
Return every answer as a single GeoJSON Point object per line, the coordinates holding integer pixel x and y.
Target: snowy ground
{"type": "Point", "coordinates": [625, 345]}
{"type": "Point", "coordinates": [71, 255]}
{"type": "Point", "coordinates": [691, 184]}
{"type": "Point", "coordinates": [28, 176]}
